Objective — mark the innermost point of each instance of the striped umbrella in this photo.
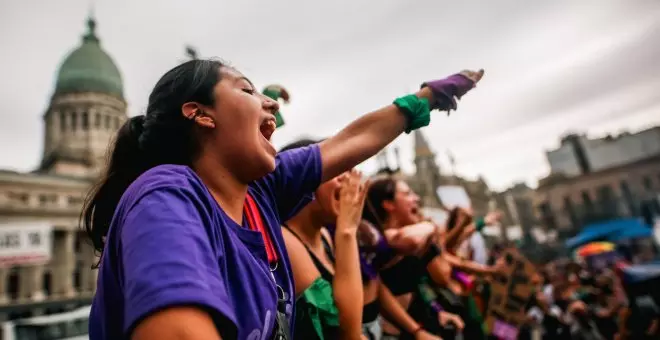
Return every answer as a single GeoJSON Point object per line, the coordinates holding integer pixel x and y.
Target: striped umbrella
{"type": "Point", "coordinates": [595, 248]}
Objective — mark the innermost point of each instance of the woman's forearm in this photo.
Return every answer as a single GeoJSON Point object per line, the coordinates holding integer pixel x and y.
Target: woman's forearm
{"type": "Point", "coordinates": [347, 283]}
{"type": "Point", "coordinates": [394, 311]}
{"type": "Point", "coordinates": [467, 266]}
{"type": "Point", "coordinates": [363, 138]}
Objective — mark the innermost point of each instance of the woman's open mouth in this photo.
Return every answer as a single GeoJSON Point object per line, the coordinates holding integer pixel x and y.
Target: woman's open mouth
{"type": "Point", "coordinates": [267, 128]}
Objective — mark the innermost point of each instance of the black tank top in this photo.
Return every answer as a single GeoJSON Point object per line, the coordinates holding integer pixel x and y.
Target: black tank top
{"type": "Point", "coordinates": [325, 273]}
{"type": "Point", "coordinates": [403, 276]}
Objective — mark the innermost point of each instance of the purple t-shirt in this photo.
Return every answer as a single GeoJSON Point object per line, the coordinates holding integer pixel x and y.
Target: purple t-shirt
{"type": "Point", "coordinates": [171, 244]}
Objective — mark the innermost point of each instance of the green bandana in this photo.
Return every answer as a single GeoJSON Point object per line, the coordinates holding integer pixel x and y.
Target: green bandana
{"type": "Point", "coordinates": [316, 305]}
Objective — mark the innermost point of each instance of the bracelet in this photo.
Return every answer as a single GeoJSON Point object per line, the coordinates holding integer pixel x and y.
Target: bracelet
{"type": "Point", "coordinates": [480, 223]}
{"type": "Point", "coordinates": [418, 329]}
{"type": "Point", "coordinates": [416, 110]}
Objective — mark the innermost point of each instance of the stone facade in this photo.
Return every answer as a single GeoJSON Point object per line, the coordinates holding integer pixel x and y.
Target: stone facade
{"type": "Point", "coordinates": [568, 203]}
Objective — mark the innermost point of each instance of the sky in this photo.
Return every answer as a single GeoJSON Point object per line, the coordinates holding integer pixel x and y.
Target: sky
{"type": "Point", "coordinates": [551, 67]}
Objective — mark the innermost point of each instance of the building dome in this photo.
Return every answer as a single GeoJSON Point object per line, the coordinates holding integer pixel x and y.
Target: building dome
{"type": "Point", "coordinates": [89, 69]}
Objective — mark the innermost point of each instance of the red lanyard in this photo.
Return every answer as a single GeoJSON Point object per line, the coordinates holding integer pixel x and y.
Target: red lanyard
{"type": "Point", "coordinates": [256, 223]}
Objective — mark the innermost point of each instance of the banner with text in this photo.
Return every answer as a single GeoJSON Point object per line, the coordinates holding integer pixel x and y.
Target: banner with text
{"type": "Point", "coordinates": [25, 243]}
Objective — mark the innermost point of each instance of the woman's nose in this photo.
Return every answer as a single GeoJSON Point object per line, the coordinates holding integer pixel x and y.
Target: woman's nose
{"type": "Point", "coordinates": [270, 105]}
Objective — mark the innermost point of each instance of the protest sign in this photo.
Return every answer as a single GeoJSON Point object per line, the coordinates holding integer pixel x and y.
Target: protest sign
{"type": "Point", "coordinates": [453, 196]}
{"type": "Point", "coordinates": [511, 290]}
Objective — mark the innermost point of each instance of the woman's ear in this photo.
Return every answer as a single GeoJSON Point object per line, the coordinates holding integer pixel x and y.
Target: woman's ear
{"type": "Point", "coordinates": [194, 111]}
{"type": "Point", "coordinates": [388, 206]}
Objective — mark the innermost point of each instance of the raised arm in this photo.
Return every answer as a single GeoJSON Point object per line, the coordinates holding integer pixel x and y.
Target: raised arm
{"type": "Point", "coordinates": [370, 133]}
{"type": "Point", "coordinates": [347, 283]}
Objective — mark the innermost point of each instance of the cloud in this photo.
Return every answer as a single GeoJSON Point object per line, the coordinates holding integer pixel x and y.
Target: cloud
{"type": "Point", "coordinates": [551, 66]}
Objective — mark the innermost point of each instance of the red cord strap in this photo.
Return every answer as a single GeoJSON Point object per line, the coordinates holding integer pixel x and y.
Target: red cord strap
{"type": "Point", "coordinates": [256, 223]}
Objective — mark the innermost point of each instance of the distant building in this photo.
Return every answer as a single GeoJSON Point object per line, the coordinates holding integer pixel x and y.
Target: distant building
{"type": "Point", "coordinates": [598, 179]}
{"type": "Point", "coordinates": [46, 262]}
{"type": "Point", "coordinates": [517, 206]}
{"type": "Point", "coordinates": [579, 155]}
{"type": "Point", "coordinates": [428, 177]}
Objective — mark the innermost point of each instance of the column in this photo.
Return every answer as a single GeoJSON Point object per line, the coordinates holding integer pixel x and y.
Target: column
{"type": "Point", "coordinates": [87, 275]}
{"type": "Point", "coordinates": [4, 275]}
{"type": "Point", "coordinates": [31, 279]}
{"type": "Point", "coordinates": [94, 279]}
{"type": "Point", "coordinates": [63, 264]}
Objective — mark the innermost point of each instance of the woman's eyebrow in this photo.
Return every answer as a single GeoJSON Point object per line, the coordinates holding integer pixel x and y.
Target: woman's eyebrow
{"type": "Point", "coordinates": [246, 79]}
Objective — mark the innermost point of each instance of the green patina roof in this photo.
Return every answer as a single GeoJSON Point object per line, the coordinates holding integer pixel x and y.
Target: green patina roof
{"type": "Point", "coordinates": [89, 69]}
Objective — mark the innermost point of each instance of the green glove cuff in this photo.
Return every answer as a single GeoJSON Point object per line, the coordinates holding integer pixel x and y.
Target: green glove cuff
{"type": "Point", "coordinates": [480, 223]}
{"type": "Point", "coordinates": [417, 111]}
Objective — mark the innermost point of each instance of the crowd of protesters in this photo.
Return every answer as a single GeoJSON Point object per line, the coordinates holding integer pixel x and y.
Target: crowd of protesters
{"type": "Point", "coordinates": [207, 232]}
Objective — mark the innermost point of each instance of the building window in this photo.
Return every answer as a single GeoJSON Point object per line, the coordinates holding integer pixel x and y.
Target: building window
{"type": "Point", "coordinates": [77, 278]}
{"type": "Point", "coordinates": [18, 197]}
{"type": "Point", "coordinates": [97, 120]}
{"type": "Point", "coordinates": [74, 200]}
{"type": "Point", "coordinates": [85, 120]}
{"type": "Point", "coordinates": [648, 184]}
{"type": "Point", "coordinates": [107, 122]}
{"type": "Point", "coordinates": [63, 121]}
{"type": "Point", "coordinates": [628, 198]}
{"type": "Point", "coordinates": [12, 283]}
{"type": "Point", "coordinates": [117, 123]}
{"type": "Point", "coordinates": [570, 210]}
{"type": "Point", "coordinates": [48, 283]}
{"type": "Point", "coordinates": [74, 121]}
{"type": "Point", "coordinates": [607, 202]}
{"type": "Point", "coordinates": [547, 217]}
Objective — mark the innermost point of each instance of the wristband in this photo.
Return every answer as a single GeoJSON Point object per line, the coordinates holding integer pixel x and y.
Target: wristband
{"type": "Point", "coordinates": [436, 307]}
{"type": "Point", "coordinates": [418, 329]}
{"type": "Point", "coordinates": [480, 223]}
{"type": "Point", "coordinates": [416, 110]}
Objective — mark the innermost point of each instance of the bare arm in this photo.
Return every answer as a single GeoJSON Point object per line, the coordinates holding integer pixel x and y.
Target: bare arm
{"type": "Point", "coordinates": [347, 283]}
{"type": "Point", "coordinates": [177, 323]}
{"type": "Point", "coordinates": [363, 138]}
{"type": "Point", "coordinates": [469, 266]}
{"type": "Point", "coordinates": [410, 239]}
{"type": "Point", "coordinates": [373, 131]}
{"type": "Point", "coordinates": [393, 310]}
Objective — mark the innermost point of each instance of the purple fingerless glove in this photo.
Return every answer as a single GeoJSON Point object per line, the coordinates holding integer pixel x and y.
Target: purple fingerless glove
{"type": "Point", "coordinates": [444, 91]}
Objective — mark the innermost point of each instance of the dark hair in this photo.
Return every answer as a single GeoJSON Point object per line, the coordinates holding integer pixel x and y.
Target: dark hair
{"type": "Point", "coordinates": [161, 136]}
{"type": "Point", "coordinates": [457, 218]}
{"type": "Point", "coordinates": [382, 189]}
{"type": "Point", "coordinates": [300, 143]}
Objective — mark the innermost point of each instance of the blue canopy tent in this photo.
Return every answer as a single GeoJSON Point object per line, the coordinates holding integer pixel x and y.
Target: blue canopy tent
{"type": "Point", "coordinates": [612, 231]}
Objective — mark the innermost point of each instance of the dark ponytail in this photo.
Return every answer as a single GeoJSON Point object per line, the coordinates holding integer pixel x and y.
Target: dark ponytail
{"type": "Point", "coordinates": [162, 136]}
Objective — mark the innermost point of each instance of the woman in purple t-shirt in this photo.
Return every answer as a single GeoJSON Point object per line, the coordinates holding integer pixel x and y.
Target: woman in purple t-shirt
{"type": "Point", "coordinates": [187, 216]}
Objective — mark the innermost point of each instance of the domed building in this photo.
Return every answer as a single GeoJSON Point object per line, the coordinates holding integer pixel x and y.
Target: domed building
{"type": "Point", "coordinates": [45, 262]}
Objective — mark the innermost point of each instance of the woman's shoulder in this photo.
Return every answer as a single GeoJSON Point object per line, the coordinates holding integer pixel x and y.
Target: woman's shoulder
{"type": "Point", "coordinates": [167, 177]}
